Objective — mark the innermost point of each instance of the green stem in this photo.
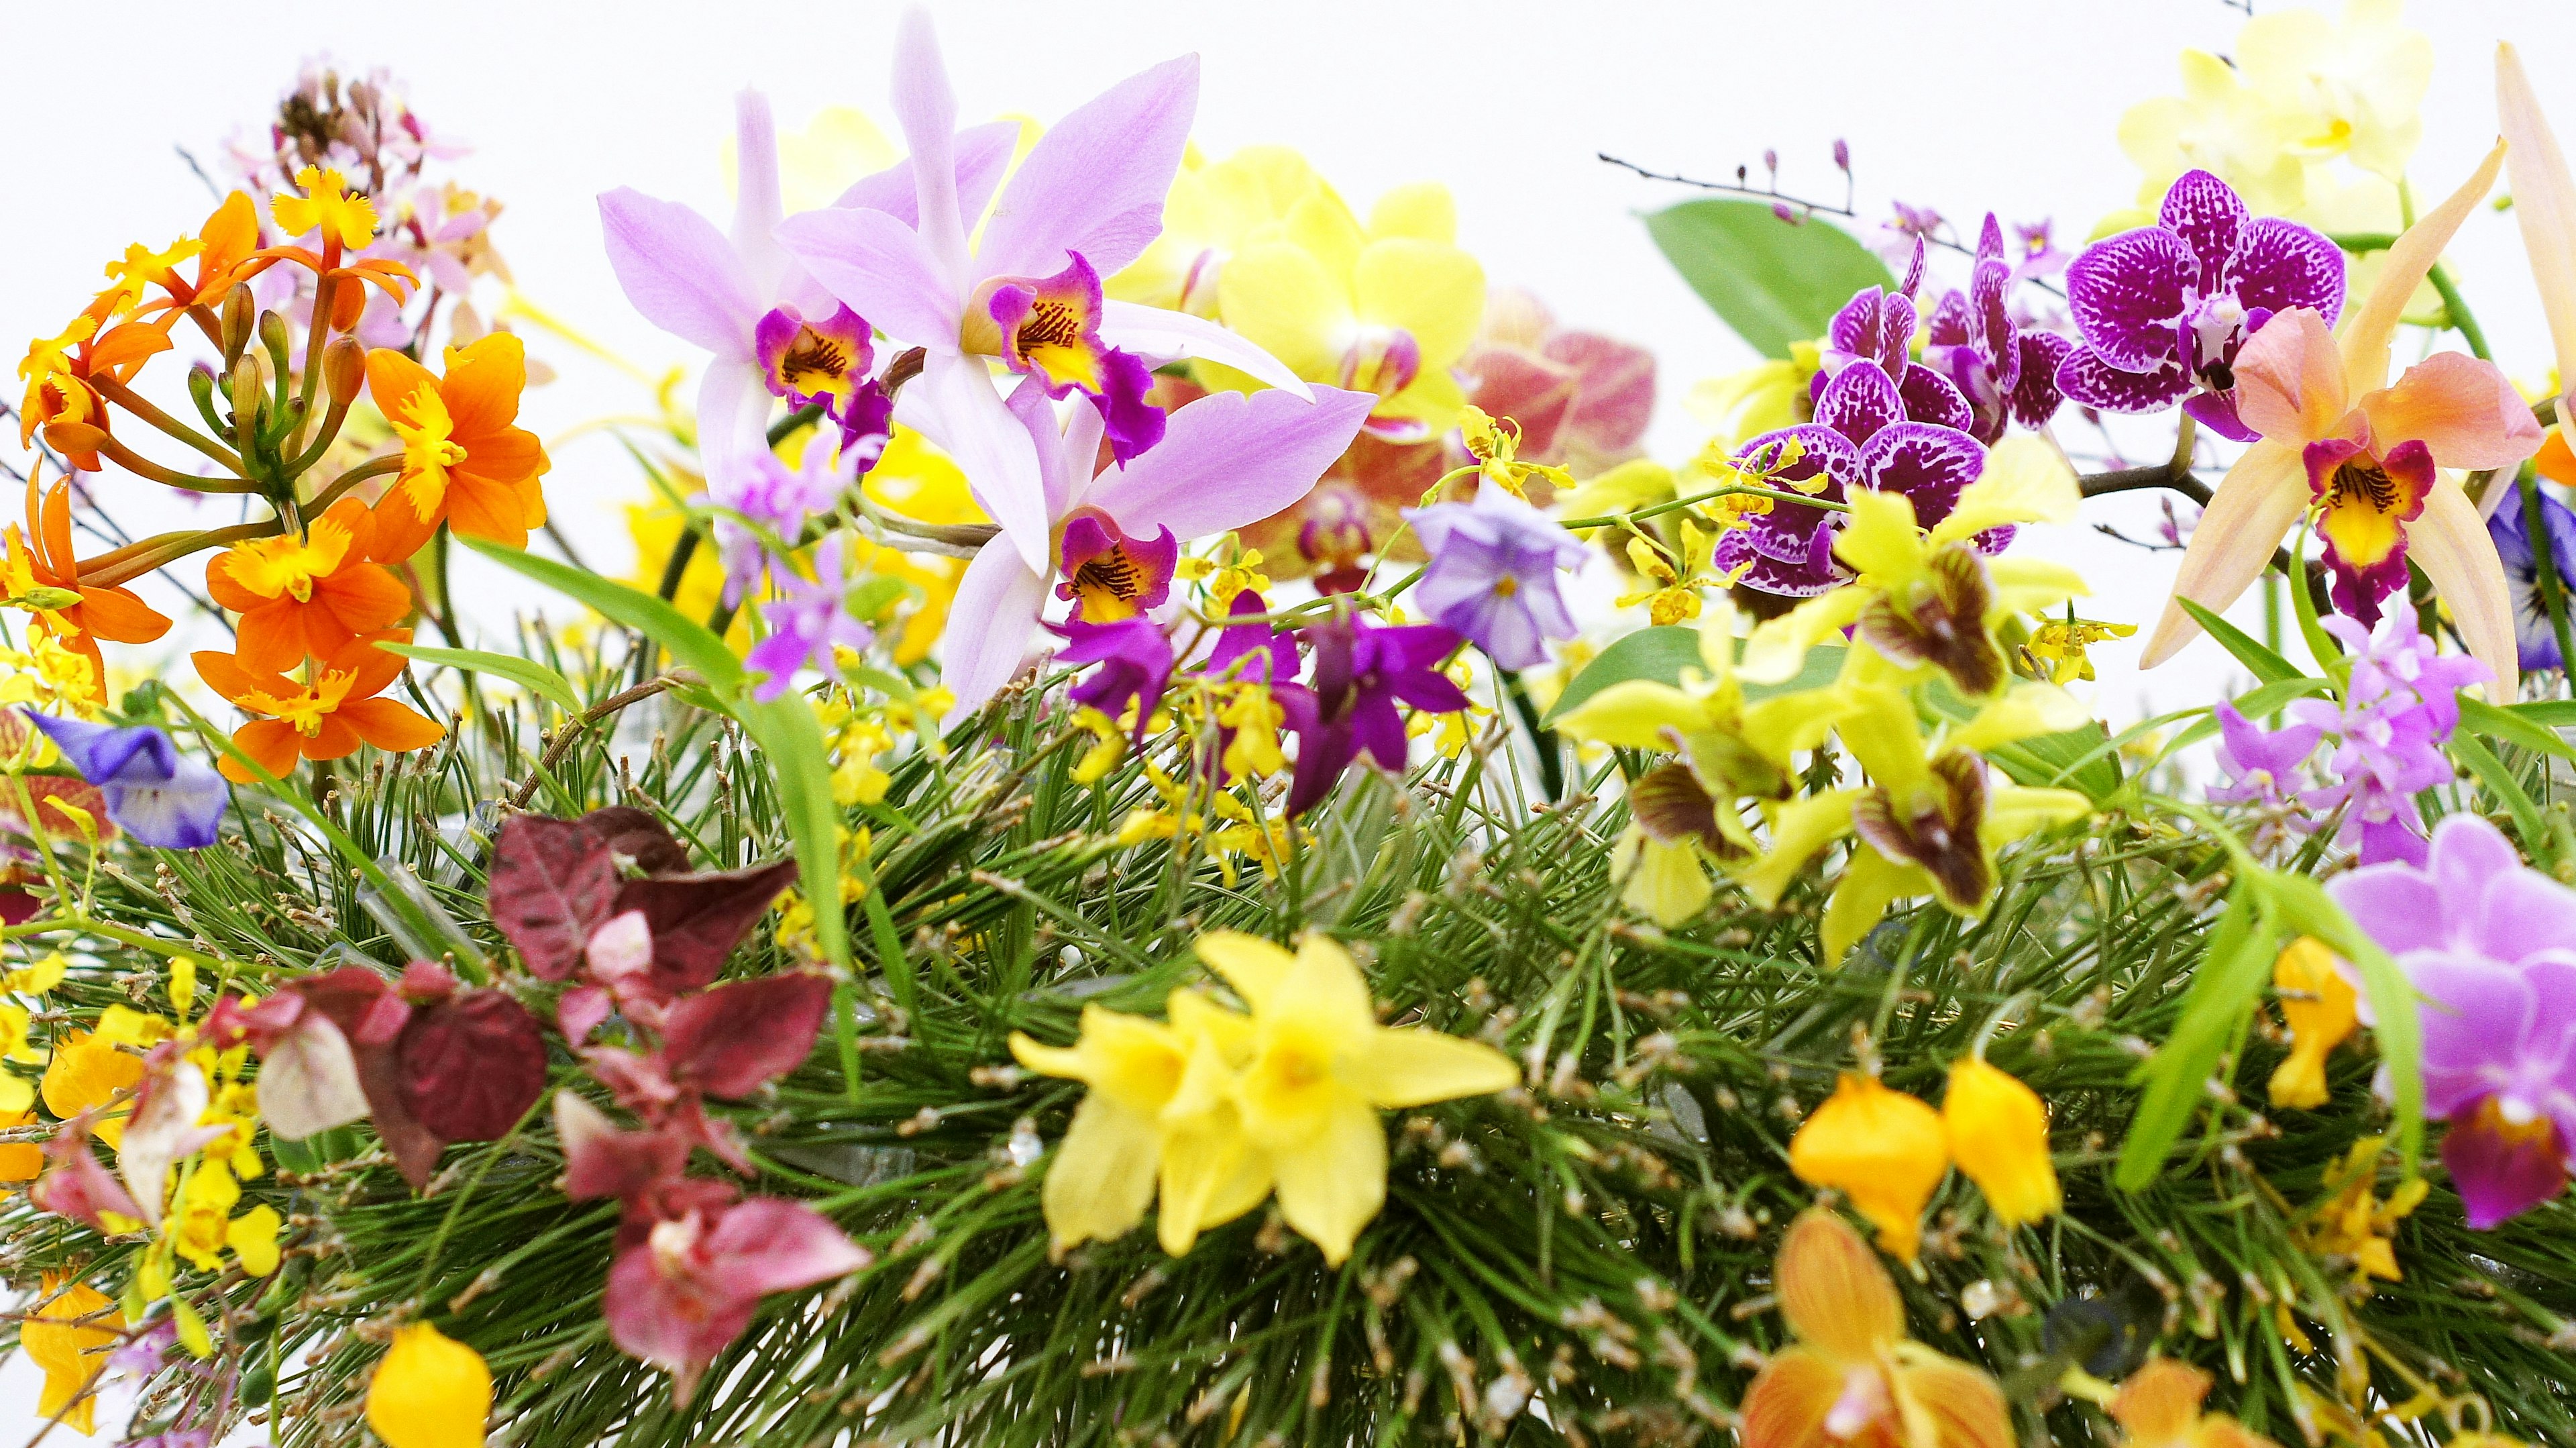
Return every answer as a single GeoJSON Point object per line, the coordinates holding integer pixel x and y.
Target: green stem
{"type": "Point", "coordinates": [125, 397]}
{"type": "Point", "coordinates": [371, 468]}
{"type": "Point", "coordinates": [1551, 755]}
{"type": "Point", "coordinates": [1730, 490]}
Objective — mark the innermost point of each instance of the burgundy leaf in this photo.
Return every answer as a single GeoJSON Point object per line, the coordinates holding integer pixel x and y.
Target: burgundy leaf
{"type": "Point", "coordinates": [735, 1037]}
{"type": "Point", "coordinates": [697, 920]}
{"type": "Point", "coordinates": [362, 1004]}
{"type": "Point", "coordinates": [552, 881]}
{"type": "Point", "coordinates": [640, 837]}
{"type": "Point", "coordinates": [472, 1066]}
{"type": "Point", "coordinates": [602, 1161]}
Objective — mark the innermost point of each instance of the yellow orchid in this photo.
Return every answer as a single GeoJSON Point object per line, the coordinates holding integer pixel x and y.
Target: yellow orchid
{"type": "Point", "coordinates": [1215, 209]}
{"type": "Point", "coordinates": [1998, 1134]}
{"type": "Point", "coordinates": [1931, 601]}
{"type": "Point", "coordinates": [2158, 1406]}
{"type": "Point", "coordinates": [1386, 308]}
{"type": "Point", "coordinates": [69, 1338]}
{"type": "Point", "coordinates": [1930, 819]}
{"type": "Point", "coordinates": [1881, 1148]}
{"type": "Point", "coordinates": [2352, 1222]}
{"type": "Point", "coordinates": [2057, 650]}
{"type": "Point", "coordinates": [2221, 125]}
{"type": "Point", "coordinates": [1764, 397]}
{"type": "Point", "coordinates": [2353, 88]}
{"type": "Point", "coordinates": [2322, 1010]}
{"type": "Point", "coordinates": [1674, 591]}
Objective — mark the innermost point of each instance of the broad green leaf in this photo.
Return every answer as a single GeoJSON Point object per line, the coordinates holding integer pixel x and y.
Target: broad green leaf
{"type": "Point", "coordinates": [2085, 759]}
{"type": "Point", "coordinates": [2305, 908]}
{"type": "Point", "coordinates": [527, 673]}
{"type": "Point", "coordinates": [2549, 713]}
{"type": "Point", "coordinates": [2513, 727]}
{"type": "Point", "coordinates": [1822, 667]}
{"type": "Point", "coordinates": [1775, 282]}
{"type": "Point", "coordinates": [2230, 980]}
{"type": "Point", "coordinates": [2268, 666]}
{"type": "Point", "coordinates": [1659, 654]}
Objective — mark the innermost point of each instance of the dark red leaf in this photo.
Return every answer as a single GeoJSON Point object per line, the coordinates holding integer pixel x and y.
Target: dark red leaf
{"type": "Point", "coordinates": [640, 837]}
{"type": "Point", "coordinates": [426, 983]}
{"type": "Point", "coordinates": [733, 1038]}
{"type": "Point", "coordinates": [472, 1066]}
{"type": "Point", "coordinates": [362, 1004]}
{"type": "Point", "coordinates": [697, 920]}
{"type": "Point", "coordinates": [551, 884]}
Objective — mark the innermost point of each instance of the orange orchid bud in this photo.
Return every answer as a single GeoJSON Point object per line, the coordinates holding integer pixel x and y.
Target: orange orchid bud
{"type": "Point", "coordinates": [344, 370]}
{"type": "Point", "coordinates": [249, 393]}
{"type": "Point", "coordinates": [237, 321]}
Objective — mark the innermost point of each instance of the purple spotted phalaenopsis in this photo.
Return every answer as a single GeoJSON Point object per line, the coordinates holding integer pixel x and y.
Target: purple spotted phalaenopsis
{"type": "Point", "coordinates": [2006, 372]}
{"type": "Point", "coordinates": [2385, 736]}
{"type": "Point", "coordinates": [2489, 946]}
{"type": "Point", "coordinates": [2164, 309]}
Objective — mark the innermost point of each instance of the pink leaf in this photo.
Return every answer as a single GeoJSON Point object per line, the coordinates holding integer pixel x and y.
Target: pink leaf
{"type": "Point", "coordinates": [697, 920]}
{"type": "Point", "coordinates": [580, 1012]}
{"type": "Point", "coordinates": [371, 1016]}
{"type": "Point", "coordinates": [552, 883]}
{"type": "Point", "coordinates": [308, 1078]}
{"type": "Point", "coordinates": [602, 1161]}
{"type": "Point", "coordinates": [472, 1066]}
{"type": "Point", "coordinates": [732, 1039]}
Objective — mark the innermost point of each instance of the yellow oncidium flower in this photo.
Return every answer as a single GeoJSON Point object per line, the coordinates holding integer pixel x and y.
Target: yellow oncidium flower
{"type": "Point", "coordinates": [1386, 308]}
{"type": "Point", "coordinates": [2158, 1406]}
{"type": "Point", "coordinates": [326, 203]}
{"type": "Point", "coordinates": [430, 1391]}
{"type": "Point", "coordinates": [1931, 818]}
{"type": "Point", "coordinates": [1214, 209]}
{"type": "Point", "coordinates": [1881, 1148]}
{"type": "Point", "coordinates": [1674, 596]}
{"type": "Point", "coordinates": [1495, 445]}
{"type": "Point", "coordinates": [2351, 1221]}
{"type": "Point", "coordinates": [2056, 650]}
{"type": "Point", "coordinates": [1231, 570]}
{"type": "Point", "coordinates": [1246, 708]}
{"type": "Point", "coordinates": [200, 1226]}
{"type": "Point", "coordinates": [1927, 601]}
{"type": "Point", "coordinates": [1998, 1134]}
{"type": "Point", "coordinates": [1452, 732]}
{"type": "Point", "coordinates": [51, 677]}
{"type": "Point", "coordinates": [70, 1337]}
{"type": "Point", "coordinates": [2323, 1012]}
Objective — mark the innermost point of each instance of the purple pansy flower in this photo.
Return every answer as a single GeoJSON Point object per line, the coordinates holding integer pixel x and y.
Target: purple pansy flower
{"type": "Point", "coordinates": [1348, 704]}
{"type": "Point", "coordinates": [1492, 574]}
{"type": "Point", "coordinates": [2263, 766]}
{"type": "Point", "coordinates": [2399, 706]}
{"type": "Point", "coordinates": [153, 793]}
{"type": "Point", "coordinates": [2004, 372]}
{"type": "Point", "coordinates": [2534, 640]}
{"type": "Point", "coordinates": [2490, 946]}
{"type": "Point", "coordinates": [807, 624]}
{"type": "Point", "coordinates": [765, 492]}
{"type": "Point", "coordinates": [2165, 308]}
{"type": "Point", "coordinates": [1135, 659]}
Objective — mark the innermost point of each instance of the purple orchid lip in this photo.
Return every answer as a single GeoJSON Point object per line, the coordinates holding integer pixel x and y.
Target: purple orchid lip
{"type": "Point", "coordinates": [1109, 576]}
{"type": "Point", "coordinates": [807, 362]}
{"type": "Point", "coordinates": [1049, 328]}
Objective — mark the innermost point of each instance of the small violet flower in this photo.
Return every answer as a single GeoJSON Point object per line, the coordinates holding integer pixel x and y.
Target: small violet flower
{"type": "Point", "coordinates": [2535, 641]}
{"type": "Point", "coordinates": [2399, 706]}
{"type": "Point", "coordinates": [2263, 765]}
{"type": "Point", "coordinates": [152, 793]}
{"type": "Point", "coordinates": [1492, 574]}
{"type": "Point", "coordinates": [1348, 703]}
{"type": "Point", "coordinates": [2490, 946]}
{"type": "Point", "coordinates": [2165, 308]}
{"type": "Point", "coordinates": [807, 624]}
{"type": "Point", "coordinates": [762, 490]}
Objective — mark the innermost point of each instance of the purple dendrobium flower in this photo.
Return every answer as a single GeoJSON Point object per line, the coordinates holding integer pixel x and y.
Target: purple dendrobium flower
{"type": "Point", "coordinates": [2004, 372]}
{"type": "Point", "coordinates": [2262, 765]}
{"type": "Point", "coordinates": [2400, 704]}
{"type": "Point", "coordinates": [1092, 188]}
{"type": "Point", "coordinates": [153, 793]}
{"type": "Point", "coordinates": [2490, 946]}
{"type": "Point", "coordinates": [2534, 640]}
{"type": "Point", "coordinates": [2164, 309]}
{"type": "Point", "coordinates": [807, 624]}
{"type": "Point", "coordinates": [1862, 437]}
{"type": "Point", "coordinates": [1135, 659]}
{"type": "Point", "coordinates": [1256, 652]}
{"type": "Point", "coordinates": [1347, 706]}
{"type": "Point", "coordinates": [764, 492]}
{"type": "Point", "coordinates": [1226, 460]}
{"type": "Point", "coordinates": [1492, 574]}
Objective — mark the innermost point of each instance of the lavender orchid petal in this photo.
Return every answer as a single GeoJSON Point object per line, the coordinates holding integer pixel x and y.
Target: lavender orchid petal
{"type": "Point", "coordinates": [680, 272]}
{"type": "Point", "coordinates": [2087, 378]}
{"type": "Point", "coordinates": [998, 602]}
{"type": "Point", "coordinates": [2535, 640]}
{"type": "Point", "coordinates": [983, 158]}
{"type": "Point", "coordinates": [756, 206]}
{"type": "Point", "coordinates": [953, 404]}
{"type": "Point", "coordinates": [733, 414]}
{"type": "Point", "coordinates": [2280, 265]}
{"type": "Point", "coordinates": [2209, 217]}
{"type": "Point", "coordinates": [2127, 295]}
{"type": "Point", "coordinates": [881, 269]}
{"type": "Point", "coordinates": [1095, 182]}
{"type": "Point", "coordinates": [1159, 337]}
{"type": "Point", "coordinates": [1230, 459]}
{"type": "Point", "coordinates": [2500, 1171]}
{"type": "Point", "coordinates": [2217, 412]}
{"type": "Point", "coordinates": [927, 110]}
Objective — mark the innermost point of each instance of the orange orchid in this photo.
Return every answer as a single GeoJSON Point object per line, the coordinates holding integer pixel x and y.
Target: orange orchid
{"type": "Point", "coordinates": [343, 220]}
{"type": "Point", "coordinates": [464, 463]}
{"type": "Point", "coordinates": [308, 596]}
{"type": "Point", "coordinates": [326, 717]}
{"type": "Point", "coordinates": [2159, 1407]}
{"type": "Point", "coordinates": [1853, 1376]}
{"type": "Point", "coordinates": [226, 253]}
{"type": "Point", "coordinates": [41, 575]}
{"type": "Point", "coordinates": [2340, 437]}
{"type": "Point", "coordinates": [61, 371]}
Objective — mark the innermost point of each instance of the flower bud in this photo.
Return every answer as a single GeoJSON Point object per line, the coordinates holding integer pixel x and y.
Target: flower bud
{"type": "Point", "coordinates": [273, 337]}
{"type": "Point", "coordinates": [249, 391]}
{"type": "Point", "coordinates": [46, 598]}
{"type": "Point", "coordinates": [237, 321]}
{"type": "Point", "coordinates": [344, 370]}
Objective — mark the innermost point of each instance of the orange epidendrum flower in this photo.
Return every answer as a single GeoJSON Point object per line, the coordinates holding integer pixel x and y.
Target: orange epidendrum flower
{"type": "Point", "coordinates": [41, 575]}
{"type": "Point", "coordinates": [1853, 1376]}
{"type": "Point", "coordinates": [59, 371]}
{"type": "Point", "coordinates": [464, 463]}
{"type": "Point", "coordinates": [327, 716]}
{"type": "Point", "coordinates": [308, 596]}
{"type": "Point", "coordinates": [326, 205]}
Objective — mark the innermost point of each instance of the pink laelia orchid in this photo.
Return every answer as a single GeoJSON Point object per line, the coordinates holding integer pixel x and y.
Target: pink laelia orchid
{"type": "Point", "coordinates": [1086, 201]}
{"type": "Point", "coordinates": [1111, 534]}
{"type": "Point", "coordinates": [2338, 435]}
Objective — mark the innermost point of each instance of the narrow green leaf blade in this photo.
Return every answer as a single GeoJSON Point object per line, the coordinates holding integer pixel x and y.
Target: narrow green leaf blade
{"type": "Point", "coordinates": [2268, 666]}
{"type": "Point", "coordinates": [2229, 981]}
{"type": "Point", "coordinates": [2508, 791]}
{"type": "Point", "coordinates": [527, 673]}
{"type": "Point", "coordinates": [2513, 727]}
{"type": "Point", "coordinates": [687, 640]}
{"type": "Point", "coordinates": [1776, 283]}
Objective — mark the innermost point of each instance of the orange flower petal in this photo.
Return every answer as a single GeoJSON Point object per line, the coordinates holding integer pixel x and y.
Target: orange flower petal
{"type": "Point", "coordinates": [509, 456]}
{"type": "Point", "coordinates": [272, 743]}
{"type": "Point", "coordinates": [477, 508]}
{"type": "Point", "coordinates": [2289, 379]}
{"type": "Point", "coordinates": [1948, 1403]}
{"type": "Point", "coordinates": [1836, 1296]}
{"type": "Point", "coordinates": [270, 637]}
{"type": "Point", "coordinates": [2459, 406]}
{"type": "Point", "coordinates": [116, 615]}
{"type": "Point", "coordinates": [392, 379]}
{"type": "Point", "coordinates": [363, 598]}
{"type": "Point", "coordinates": [337, 738]}
{"type": "Point", "coordinates": [1790, 1399]}
{"type": "Point", "coordinates": [390, 725]}
{"type": "Point", "coordinates": [483, 386]}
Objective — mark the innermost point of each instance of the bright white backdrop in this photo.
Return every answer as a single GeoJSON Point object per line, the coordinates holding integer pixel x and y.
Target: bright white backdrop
{"type": "Point", "coordinates": [2009, 105]}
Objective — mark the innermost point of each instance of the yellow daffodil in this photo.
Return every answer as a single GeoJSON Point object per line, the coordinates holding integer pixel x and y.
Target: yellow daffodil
{"type": "Point", "coordinates": [1881, 1148]}
{"type": "Point", "coordinates": [2322, 1011]}
{"type": "Point", "coordinates": [1385, 308]}
{"type": "Point", "coordinates": [430, 1391]}
{"type": "Point", "coordinates": [69, 1338]}
{"type": "Point", "coordinates": [2159, 1407]}
{"type": "Point", "coordinates": [1215, 209]}
{"type": "Point", "coordinates": [1853, 1376]}
{"type": "Point", "coordinates": [1998, 1134]}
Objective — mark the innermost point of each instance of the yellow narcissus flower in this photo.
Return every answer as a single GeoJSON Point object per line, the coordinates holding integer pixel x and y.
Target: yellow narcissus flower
{"type": "Point", "coordinates": [1998, 1134]}
{"type": "Point", "coordinates": [1215, 209]}
{"type": "Point", "coordinates": [430, 1391]}
{"type": "Point", "coordinates": [2159, 1407]}
{"type": "Point", "coordinates": [1853, 1376]}
{"type": "Point", "coordinates": [1883, 1149]}
{"type": "Point", "coordinates": [2322, 1011]}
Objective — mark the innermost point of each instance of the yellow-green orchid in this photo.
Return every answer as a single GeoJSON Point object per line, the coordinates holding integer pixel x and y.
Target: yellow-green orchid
{"type": "Point", "coordinates": [1384, 308]}
{"type": "Point", "coordinates": [1931, 601]}
{"type": "Point", "coordinates": [1930, 818]}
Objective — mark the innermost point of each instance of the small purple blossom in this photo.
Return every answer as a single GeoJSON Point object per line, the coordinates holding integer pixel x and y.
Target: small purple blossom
{"type": "Point", "coordinates": [2534, 640]}
{"type": "Point", "coordinates": [153, 793]}
{"type": "Point", "coordinates": [1492, 574]}
{"type": "Point", "coordinates": [807, 624]}
{"type": "Point", "coordinates": [760, 489]}
{"type": "Point", "coordinates": [2399, 706]}
{"type": "Point", "coordinates": [1252, 651]}
{"type": "Point", "coordinates": [2165, 308]}
{"type": "Point", "coordinates": [1135, 659]}
{"type": "Point", "coordinates": [2490, 946]}
{"type": "Point", "coordinates": [2004, 372]}
{"type": "Point", "coordinates": [1348, 703]}
{"type": "Point", "coordinates": [2263, 765]}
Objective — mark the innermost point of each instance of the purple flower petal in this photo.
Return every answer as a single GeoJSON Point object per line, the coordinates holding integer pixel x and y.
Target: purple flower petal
{"type": "Point", "coordinates": [1927, 464]}
{"type": "Point", "coordinates": [1931, 397]}
{"type": "Point", "coordinates": [2037, 396]}
{"type": "Point", "coordinates": [2281, 264]}
{"type": "Point", "coordinates": [2127, 294]}
{"type": "Point", "coordinates": [679, 271]}
{"type": "Point", "coordinates": [993, 617]}
{"type": "Point", "coordinates": [2208, 215]}
{"type": "Point", "coordinates": [1095, 182]}
{"type": "Point", "coordinates": [2088, 378]}
{"type": "Point", "coordinates": [880, 268]}
{"type": "Point", "coordinates": [2217, 412]}
{"type": "Point", "coordinates": [1860, 400]}
{"type": "Point", "coordinates": [1805, 577]}
{"type": "Point", "coordinates": [1229, 459]}
{"type": "Point", "coordinates": [2503, 1169]}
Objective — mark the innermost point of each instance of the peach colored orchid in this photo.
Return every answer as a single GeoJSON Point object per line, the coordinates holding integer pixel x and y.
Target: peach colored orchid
{"type": "Point", "coordinates": [2340, 438]}
{"type": "Point", "coordinates": [2544, 202]}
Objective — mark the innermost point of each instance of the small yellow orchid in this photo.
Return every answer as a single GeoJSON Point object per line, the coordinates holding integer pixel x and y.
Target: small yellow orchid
{"type": "Point", "coordinates": [1215, 209]}
{"type": "Point", "coordinates": [2221, 125]}
{"type": "Point", "coordinates": [2322, 1010]}
{"type": "Point", "coordinates": [1764, 397]}
{"type": "Point", "coordinates": [343, 219]}
{"type": "Point", "coordinates": [1881, 1148]}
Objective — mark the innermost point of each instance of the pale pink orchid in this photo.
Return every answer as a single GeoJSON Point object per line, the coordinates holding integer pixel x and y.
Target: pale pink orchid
{"type": "Point", "coordinates": [2338, 436]}
{"type": "Point", "coordinates": [1110, 536]}
{"type": "Point", "coordinates": [1086, 200]}
{"type": "Point", "coordinates": [2544, 202]}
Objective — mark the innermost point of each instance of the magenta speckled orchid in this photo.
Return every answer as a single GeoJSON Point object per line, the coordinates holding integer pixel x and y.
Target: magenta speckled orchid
{"type": "Point", "coordinates": [1109, 535]}
{"type": "Point", "coordinates": [2004, 372]}
{"type": "Point", "coordinates": [2491, 947]}
{"type": "Point", "coordinates": [1086, 201]}
{"type": "Point", "coordinates": [2165, 308]}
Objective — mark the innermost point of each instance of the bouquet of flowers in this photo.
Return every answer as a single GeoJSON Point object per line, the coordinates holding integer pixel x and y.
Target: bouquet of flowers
{"type": "Point", "coordinates": [1179, 838]}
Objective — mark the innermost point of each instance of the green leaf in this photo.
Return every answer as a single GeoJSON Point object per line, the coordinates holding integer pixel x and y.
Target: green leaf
{"type": "Point", "coordinates": [1659, 654]}
{"type": "Point", "coordinates": [2305, 907]}
{"type": "Point", "coordinates": [2268, 666]}
{"type": "Point", "coordinates": [2230, 979]}
{"type": "Point", "coordinates": [1822, 667]}
{"type": "Point", "coordinates": [527, 673]}
{"type": "Point", "coordinates": [2303, 604]}
{"type": "Point", "coordinates": [1775, 282]}
{"type": "Point", "coordinates": [2085, 758]}
{"type": "Point", "coordinates": [2550, 713]}
{"type": "Point", "coordinates": [2500, 782]}
{"type": "Point", "coordinates": [2513, 727]}
{"type": "Point", "coordinates": [686, 640]}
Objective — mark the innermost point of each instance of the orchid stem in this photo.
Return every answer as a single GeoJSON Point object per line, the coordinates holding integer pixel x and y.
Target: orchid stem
{"type": "Point", "coordinates": [371, 468]}
{"type": "Point", "coordinates": [158, 552]}
{"type": "Point", "coordinates": [1729, 490]}
{"type": "Point", "coordinates": [125, 397]}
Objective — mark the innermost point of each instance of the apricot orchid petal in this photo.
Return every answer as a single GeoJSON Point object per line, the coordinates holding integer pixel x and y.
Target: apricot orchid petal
{"type": "Point", "coordinates": [2544, 203]}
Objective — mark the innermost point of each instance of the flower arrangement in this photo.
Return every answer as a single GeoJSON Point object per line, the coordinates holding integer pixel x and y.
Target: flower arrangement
{"type": "Point", "coordinates": [1121, 717]}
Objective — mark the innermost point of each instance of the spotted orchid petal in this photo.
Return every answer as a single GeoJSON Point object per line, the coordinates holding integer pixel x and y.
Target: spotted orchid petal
{"type": "Point", "coordinates": [2209, 217]}
{"type": "Point", "coordinates": [2128, 293]}
{"type": "Point", "coordinates": [2089, 379]}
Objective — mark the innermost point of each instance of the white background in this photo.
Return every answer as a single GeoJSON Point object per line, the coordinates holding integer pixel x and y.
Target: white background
{"type": "Point", "coordinates": [2009, 106]}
